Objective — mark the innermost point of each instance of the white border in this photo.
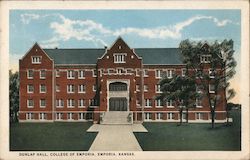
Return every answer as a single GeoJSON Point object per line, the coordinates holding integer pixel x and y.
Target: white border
{"type": "Point", "coordinates": [5, 6]}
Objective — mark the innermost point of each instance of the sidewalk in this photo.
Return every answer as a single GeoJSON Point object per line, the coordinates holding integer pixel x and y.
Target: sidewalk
{"type": "Point", "coordinates": [116, 137]}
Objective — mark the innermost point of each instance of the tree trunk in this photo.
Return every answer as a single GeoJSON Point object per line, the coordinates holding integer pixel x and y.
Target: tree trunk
{"type": "Point", "coordinates": [212, 117]}
{"type": "Point", "coordinates": [187, 115]}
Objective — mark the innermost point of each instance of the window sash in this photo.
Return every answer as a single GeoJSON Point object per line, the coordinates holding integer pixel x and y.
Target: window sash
{"type": "Point", "coordinates": [30, 74]}
{"type": "Point", "coordinates": [81, 74]}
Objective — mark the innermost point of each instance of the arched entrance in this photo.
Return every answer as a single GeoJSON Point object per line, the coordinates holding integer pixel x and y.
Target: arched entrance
{"type": "Point", "coordinates": [118, 96]}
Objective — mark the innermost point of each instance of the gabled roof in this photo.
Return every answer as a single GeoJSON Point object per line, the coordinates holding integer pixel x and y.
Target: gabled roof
{"type": "Point", "coordinates": [167, 56]}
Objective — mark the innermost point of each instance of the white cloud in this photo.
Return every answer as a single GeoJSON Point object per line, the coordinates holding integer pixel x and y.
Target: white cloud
{"type": "Point", "coordinates": [89, 30]}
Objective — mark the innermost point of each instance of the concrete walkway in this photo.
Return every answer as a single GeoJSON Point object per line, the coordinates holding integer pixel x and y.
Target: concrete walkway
{"type": "Point", "coordinates": [116, 137]}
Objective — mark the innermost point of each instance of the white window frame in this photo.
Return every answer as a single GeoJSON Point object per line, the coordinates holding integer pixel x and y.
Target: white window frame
{"type": "Point", "coordinates": [119, 57]}
{"type": "Point", "coordinates": [94, 88]}
{"type": "Point", "coordinates": [137, 87]}
{"type": "Point", "coordinates": [70, 116]}
{"type": "Point", "coordinates": [198, 116]}
{"type": "Point", "coordinates": [28, 88]}
{"type": "Point", "coordinates": [158, 103]}
{"type": "Point", "coordinates": [30, 116]}
{"type": "Point", "coordinates": [197, 102]}
{"type": "Point", "coordinates": [210, 71]}
{"type": "Point", "coordinates": [170, 116]}
{"type": "Point", "coordinates": [44, 88]}
{"type": "Point", "coordinates": [36, 59]}
{"type": "Point", "coordinates": [145, 73]}
{"type": "Point", "coordinates": [137, 72]}
{"type": "Point", "coordinates": [70, 103]}
{"type": "Point", "coordinates": [57, 73]}
{"type": "Point", "coordinates": [28, 106]}
{"type": "Point", "coordinates": [147, 103]}
{"type": "Point", "coordinates": [81, 74]}
{"type": "Point", "coordinates": [81, 103]}
{"type": "Point", "coordinates": [145, 88]}
{"type": "Point", "coordinates": [159, 116]}
{"type": "Point", "coordinates": [70, 74]}
{"type": "Point", "coordinates": [169, 103]}
{"type": "Point", "coordinates": [59, 103]}
{"type": "Point", "coordinates": [81, 116]}
{"type": "Point", "coordinates": [94, 100]}
{"type": "Point", "coordinates": [158, 74]}
{"type": "Point", "coordinates": [183, 72]}
{"type": "Point", "coordinates": [41, 103]}
{"type": "Point", "coordinates": [81, 88]}
{"type": "Point", "coordinates": [28, 75]}
{"type": "Point", "coordinates": [42, 116]}
{"type": "Point", "coordinates": [70, 88]}
{"type": "Point", "coordinates": [158, 88]}
{"type": "Point", "coordinates": [44, 74]}
{"type": "Point", "coordinates": [59, 116]}
{"type": "Point", "coordinates": [205, 58]}
{"type": "Point", "coordinates": [57, 88]}
{"type": "Point", "coordinates": [138, 105]}
{"type": "Point", "coordinates": [170, 73]}
{"type": "Point", "coordinates": [211, 91]}
{"type": "Point", "coordinates": [94, 73]}
{"type": "Point", "coordinates": [147, 116]}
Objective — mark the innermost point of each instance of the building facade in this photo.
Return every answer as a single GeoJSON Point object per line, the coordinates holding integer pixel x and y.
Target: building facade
{"type": "Point", "coordinates": [83, 84]}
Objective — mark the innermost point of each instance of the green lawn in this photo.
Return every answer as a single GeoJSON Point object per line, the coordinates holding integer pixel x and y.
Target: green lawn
{"type": "Point", "coordinates": [191, 137]}
{"type": "Point", "coordinates": [56, 136]}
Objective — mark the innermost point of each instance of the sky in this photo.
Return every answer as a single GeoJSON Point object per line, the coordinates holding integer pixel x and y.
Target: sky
{"type": "Point", "coordinates": [139, 28]}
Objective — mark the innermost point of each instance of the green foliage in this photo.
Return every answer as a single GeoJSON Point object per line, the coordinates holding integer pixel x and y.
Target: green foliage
{"type": "Point", "coordinates": [14, 95]}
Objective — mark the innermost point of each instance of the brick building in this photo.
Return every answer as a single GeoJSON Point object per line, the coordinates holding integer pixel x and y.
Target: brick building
{"type": "Point", "coordinates": [87, 84]}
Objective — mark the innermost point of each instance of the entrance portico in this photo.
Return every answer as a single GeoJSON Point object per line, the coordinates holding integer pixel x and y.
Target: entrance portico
{"type": "Point", "coordinates": [118, 95]}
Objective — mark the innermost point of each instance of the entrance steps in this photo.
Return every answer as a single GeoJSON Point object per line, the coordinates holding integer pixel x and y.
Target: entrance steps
{"type": "Point", "coordinates": [117, 117]}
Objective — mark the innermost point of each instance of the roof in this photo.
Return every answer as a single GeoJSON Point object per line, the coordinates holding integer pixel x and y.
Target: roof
{"type": "Point", "coordinates": [168, 56]}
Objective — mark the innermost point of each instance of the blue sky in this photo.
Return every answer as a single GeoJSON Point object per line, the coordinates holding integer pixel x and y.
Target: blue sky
{"type": "Point", "coordinates": [139, 28]}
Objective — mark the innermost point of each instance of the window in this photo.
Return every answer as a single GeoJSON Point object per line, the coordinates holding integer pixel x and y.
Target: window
{"type": "Point", "coordinates": [170, 73]}
{"type": "Point", "coordinates": [59, 116]}
{"type": "Point", "coordinates": [159, 116]}
{"type": "Point", "coordinates": [137, 87]}
{"type": "Point", "coordinates": [211, 88]}
{"type": "Point", "coordinates": [158, 73]}
{"type": "Point", "coordinates": [129, 70]}
{"type": "Point", "coordinates": [170, 116]}
{"type": "Point", "coordinates": [137, 72]}
{"type": "Point", "coordinates": [71, 74]}
{"type": "Point", "coordinates": [199, 73]}
{"type": "Point", "coordinates": [148, 103]}
{"type": "Point", "coordinates": [205, 58]}
{"type": "Point", "coordinates": [198, 102]}
{"type": "Point", "coordinates": [212, 73]}
{"type": "Point", "coordinates": [184, 72]}
{"type": "Point", "coordinates": [158, 88]}
{"type": "Point", "coordinates": [199, 88]}
{"type": "Point", "coordinates": [36, 59]}
{"type": "Point", "coordinates": [57, 88]}
{"type": "Point", "coordinates": [145, 88]}
{"type": "Point", "coordinates": [42, 103]}
{"type": "Point", "coordinates": [117, 86]}
{"type": "Point", "coordinates": [138, 103]}
{"type": "Point", "coordinates": [70, 116]}
{"type": "Point", "coordinates": [59, 103]}
{"type": "Point", "coordinates": [70, 88]}
{"type": "Point", "coordinates": [199, 116]}
{"type": "Point", "coordinates": [119, 57]}
{"type": "Point", "coordinates": [81, 74]}
{"type": "Point", "coordinates": [148, 116]}
{"type": "Point", "coordinates": [30, 116]}
{"type": "Point", "coordinates": [145, 73]}
{"type": "Point", "coordinates": [42, 116]}
{"type": "Point", "coordinates": [110, 70]}
{"type": "Point", "coordinates": [158, 103]}
{"type": "Point", "coordinates": [30, 103]}
{"type": "Point", "coordinates": [30, 88]}
{"type": "Point", "coordinates": [42, 88]}
{"type": "Point", "coordinates": [94, 72]}
{"type": "Point", "coordinates": [71, 103]}
{"type": "Point", "coordinates": [93, 102]}
{"type": "Point", "coordinates": [170, 103]}
{"type": "Point", "coordinates": [81, 116]}
{"type": "Point", "coordinates": [30, 74]}
{"type": "Point", "coordinates": [120, 71]}
{"type": "Point", "coordinates": [94, 88]}
{"type": "Point", "coordinates": [81, 88]}
{"type": "Point", "coordinates": [57, 73]}
{"type": "Point", "coordinates": [81, 103]}
{"type": "Point", "coordinates": [42, 74]}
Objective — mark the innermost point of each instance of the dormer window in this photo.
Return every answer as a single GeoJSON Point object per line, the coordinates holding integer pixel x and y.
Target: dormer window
{"type": "Point", "coordinates": [119, 57]}
{"type": "Point", "coordinates": [205, 58]}
{"type": "Point", "coordinates": [36, 59]}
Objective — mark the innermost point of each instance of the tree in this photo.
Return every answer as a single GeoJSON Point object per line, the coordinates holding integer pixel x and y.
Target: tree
{"type": "Point", "coordinates": [181, 90]}
{"type": "Point", "coordinates": [13, 95]}
{"type": "Point", "coordinates": [213, 65]}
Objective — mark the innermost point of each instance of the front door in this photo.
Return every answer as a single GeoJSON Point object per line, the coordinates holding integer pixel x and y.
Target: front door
{"type": "Point", "coordinates": [118, 104]}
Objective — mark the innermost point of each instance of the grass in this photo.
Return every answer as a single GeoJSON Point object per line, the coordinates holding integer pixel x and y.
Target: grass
{"type": "Point", "coordinates": [192, 137]}
{"type": "Point", "coordinates": [56, 136]}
